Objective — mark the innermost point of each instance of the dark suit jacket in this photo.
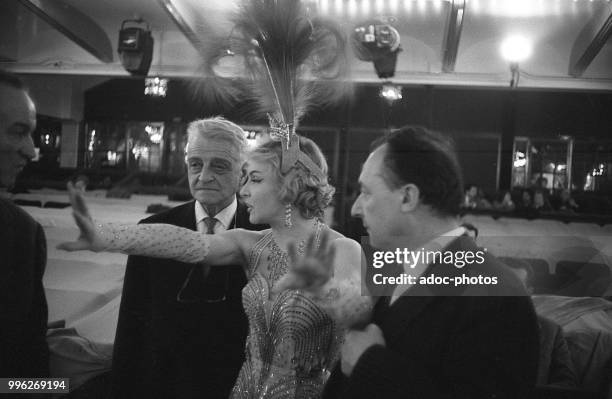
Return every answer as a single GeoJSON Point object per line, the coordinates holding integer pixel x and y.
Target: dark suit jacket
{"type": "Point", "coordinates": [23, 306]}
{"type": "Point", "coordinates": [168, 349]}
{"type": "Point", "coordinates": [446, 342]}
{"type": "Point", "coordinates": [555, 365]}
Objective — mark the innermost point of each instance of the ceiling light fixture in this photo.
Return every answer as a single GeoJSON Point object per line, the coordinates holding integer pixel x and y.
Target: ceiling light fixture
{"type": "Point", "coordinates": [515, 49]}
{"type": "Point", "coordinates": [391, 92]}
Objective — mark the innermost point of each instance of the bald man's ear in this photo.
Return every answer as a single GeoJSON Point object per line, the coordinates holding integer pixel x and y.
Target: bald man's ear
{"type": "Point", "coordinates": [410, 197]}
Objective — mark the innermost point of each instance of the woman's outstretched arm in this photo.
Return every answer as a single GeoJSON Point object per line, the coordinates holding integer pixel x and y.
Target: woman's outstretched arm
{"type": "Point", "coordinates": [155, 240]}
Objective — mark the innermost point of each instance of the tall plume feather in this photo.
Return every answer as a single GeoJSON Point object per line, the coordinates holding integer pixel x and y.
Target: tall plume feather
{"type": "Point", "coordinates": [293, 62]}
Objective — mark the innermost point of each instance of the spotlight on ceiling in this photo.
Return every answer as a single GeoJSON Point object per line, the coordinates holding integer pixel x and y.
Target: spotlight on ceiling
{"type": "Point", "coordinates": [516, 49]}
{"type": "Point", "coordinates": [135, 47]}
{"type": "Point", "coordinates": [378, 42]}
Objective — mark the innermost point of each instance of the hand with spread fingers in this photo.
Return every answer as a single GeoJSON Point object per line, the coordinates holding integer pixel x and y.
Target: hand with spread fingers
{"type": "Point", "coordinates": [89, 238]}
{"type": "Point", "coordinates": [312, 269]}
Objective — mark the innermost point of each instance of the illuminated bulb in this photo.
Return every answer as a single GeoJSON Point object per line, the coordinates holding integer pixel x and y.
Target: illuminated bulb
{"type": "Point", "coordinates": [391, 92]}
{"type": "Point", "coordinates": [338, 7]}
{"type": "Point", "coordinates": [393, 6]}
{"type": "Point", "coordinates": [493, 7]}
{"type": "Point", "coordinates": [515, 49]}
{"type": "Point", "coordinates": [422, 4]}
{"type": "Point", "coordinates": [408, 5]}
{"type": "Point", "coordinates": [365, 7]}
{"type": "Point", "coordinates": [475, 6]}
{"type": "Point", "coordinates": [437, 5]}
{"type": "Point", "coordinates": [324, 4]}
{"type": "Point", "coordinates": [352, 8]}
{"type": "Point", "coordinates": [379, 6]}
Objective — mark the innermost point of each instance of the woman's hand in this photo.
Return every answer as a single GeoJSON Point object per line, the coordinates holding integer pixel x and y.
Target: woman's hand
{"type": "Point", "coordinates": [88, 238]}
{"type": "Point", "coordinates": [311, 270]}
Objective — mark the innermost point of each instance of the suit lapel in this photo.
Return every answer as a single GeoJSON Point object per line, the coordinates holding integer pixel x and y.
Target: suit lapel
{"type": "Point", "coordinates": [186, 216]}
{"type": "Point", "coordinates": [398, 316]}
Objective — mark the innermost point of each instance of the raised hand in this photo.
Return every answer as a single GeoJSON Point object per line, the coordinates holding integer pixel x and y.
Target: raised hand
{"type": "Point", "coordinates": [88, 237]}
{"type": "Point", "coordinates": [311, 270]}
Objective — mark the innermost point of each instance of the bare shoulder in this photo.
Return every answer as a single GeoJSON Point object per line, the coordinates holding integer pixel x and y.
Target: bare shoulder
{"type": "Point", "coordinates": [348, 255]}
{"type": "Point", "coordinates": [343, 244]}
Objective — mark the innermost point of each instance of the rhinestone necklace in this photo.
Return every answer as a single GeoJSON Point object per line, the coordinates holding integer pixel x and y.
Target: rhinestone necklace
{"type": "Point", "coordinates": [278, 258]}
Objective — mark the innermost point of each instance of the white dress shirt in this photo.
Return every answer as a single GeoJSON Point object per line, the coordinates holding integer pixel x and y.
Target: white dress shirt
{"type": "Point", "coordinates": [224, 217]}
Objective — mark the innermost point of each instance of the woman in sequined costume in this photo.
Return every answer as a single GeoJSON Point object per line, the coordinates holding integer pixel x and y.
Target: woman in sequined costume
{"type": "Point", "coordinates": [294, 334]}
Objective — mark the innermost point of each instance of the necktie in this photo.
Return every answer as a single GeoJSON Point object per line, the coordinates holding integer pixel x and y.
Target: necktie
{"type": "Point", "coordinates": [210, 225]}
{"type": "Point", "coordinates": [201, 284]}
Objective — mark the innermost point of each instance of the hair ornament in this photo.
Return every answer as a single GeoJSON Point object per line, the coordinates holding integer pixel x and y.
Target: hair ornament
{"type": "Point", "coordinates": [292, 61]}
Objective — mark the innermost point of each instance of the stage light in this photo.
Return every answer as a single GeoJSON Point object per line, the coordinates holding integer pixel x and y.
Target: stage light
{"type": "Point", "coordinates": [474, 6]}
{"type": "Point", "coordinates": [515, 48]}
{"type": "Point", "coordinates": [324, 6]}
{"type": "Point", "coordinates": [393, 6]}
{"type": "Point", "coordinates": [408, 6]}
{"type": "Point", "coordinates": [380, 6]}
{"type": "Point", "coordinates": [352, 8]}
{"type": "Point", "coordinates": [391, 92]}
{"type": "Point", "coordinates": [378, 42]}
{"type": "Point", "coordinates": [365, 7]}
{"type": "Point", "coordinates": [135, 47]}
{"type": "Point", "coordinates": [338, 7]}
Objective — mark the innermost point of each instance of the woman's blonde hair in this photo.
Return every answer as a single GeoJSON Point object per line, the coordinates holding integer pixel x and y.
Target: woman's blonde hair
{"type": "Point", "coordinates": [309, 192]}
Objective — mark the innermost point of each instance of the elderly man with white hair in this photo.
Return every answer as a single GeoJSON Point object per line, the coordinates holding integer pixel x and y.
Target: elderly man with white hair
{"type": "Point", "coordinates": [182, 329]}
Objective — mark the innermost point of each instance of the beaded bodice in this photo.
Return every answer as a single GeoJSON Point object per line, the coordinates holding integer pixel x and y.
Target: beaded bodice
{"type": "Point", "coordinates": [292, 341]}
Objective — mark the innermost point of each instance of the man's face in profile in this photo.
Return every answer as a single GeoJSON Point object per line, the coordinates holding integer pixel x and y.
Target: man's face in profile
{"type": "Point", "coordinates": [377, 204]}
{"type": "Point", "coordinates": [17, 121]}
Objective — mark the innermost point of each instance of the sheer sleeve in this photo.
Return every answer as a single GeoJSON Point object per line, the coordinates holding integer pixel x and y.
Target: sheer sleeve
{"type": "Point", "coordinates": [155, 240]}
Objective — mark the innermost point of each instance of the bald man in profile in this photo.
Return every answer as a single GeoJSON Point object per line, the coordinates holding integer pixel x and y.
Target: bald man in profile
{"type": "Point", "coordinates": [23, 251]}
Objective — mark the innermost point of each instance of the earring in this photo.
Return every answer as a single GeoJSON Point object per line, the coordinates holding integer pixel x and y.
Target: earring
{"type": "Point", "coordinates": [288, 222]}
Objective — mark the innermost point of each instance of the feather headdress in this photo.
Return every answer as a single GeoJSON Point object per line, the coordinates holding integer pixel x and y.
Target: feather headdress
{"type": "Point", "coordinates": [293, 62]}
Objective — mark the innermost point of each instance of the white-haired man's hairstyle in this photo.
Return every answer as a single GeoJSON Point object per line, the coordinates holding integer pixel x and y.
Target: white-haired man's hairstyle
{"type": "Point", "coordinates": [219, 128]}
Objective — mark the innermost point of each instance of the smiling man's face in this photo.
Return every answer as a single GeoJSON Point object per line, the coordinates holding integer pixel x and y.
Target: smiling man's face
{"type": "Point", "coordinates": [214, 172]}
{"type": "Point", "coordinates": [17, 121]}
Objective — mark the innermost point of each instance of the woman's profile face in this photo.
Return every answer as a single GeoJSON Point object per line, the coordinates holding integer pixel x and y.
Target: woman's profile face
{"type": "Point", "coordinates": [259, 192]}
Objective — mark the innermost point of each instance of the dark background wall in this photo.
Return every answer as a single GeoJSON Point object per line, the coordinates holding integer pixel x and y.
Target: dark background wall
{"type": "Point", "coordinates": [480, 120]}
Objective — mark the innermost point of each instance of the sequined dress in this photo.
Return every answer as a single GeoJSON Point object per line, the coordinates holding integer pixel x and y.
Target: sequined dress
{"type": "Point", "coordinates": [294, 339]}
{"type": "Point", "coordinates": [292, 343]}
